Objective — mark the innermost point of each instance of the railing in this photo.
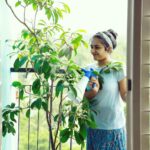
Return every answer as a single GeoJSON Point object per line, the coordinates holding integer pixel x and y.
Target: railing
{"type": "Point", "coordinates": [33, 131]}
{"type": "Point", "coordinates": [32, 125]}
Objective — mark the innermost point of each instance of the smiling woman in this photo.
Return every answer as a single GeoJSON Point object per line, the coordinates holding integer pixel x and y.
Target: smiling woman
{"type": "Point", "coordinates": [105, 101]}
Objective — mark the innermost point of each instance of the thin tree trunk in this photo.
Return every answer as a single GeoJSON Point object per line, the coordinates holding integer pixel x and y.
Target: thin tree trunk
{"type": "Point", "coordinates": [49, 117]}
{"type": "Point", "coordinates": [59, 117]}
{"type": "Point", "coordinates": [71, 142]}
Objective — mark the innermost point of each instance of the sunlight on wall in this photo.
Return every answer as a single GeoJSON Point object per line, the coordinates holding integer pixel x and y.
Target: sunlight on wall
{"type": "Point", "coordinates": [97, 15]}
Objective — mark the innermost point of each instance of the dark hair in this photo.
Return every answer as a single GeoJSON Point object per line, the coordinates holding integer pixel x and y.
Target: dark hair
{"type": "Point", "coordinates": [104, 35]}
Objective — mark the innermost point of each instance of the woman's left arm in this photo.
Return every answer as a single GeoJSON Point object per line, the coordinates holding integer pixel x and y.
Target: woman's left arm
{"type": "Point", "coordinates": [123, 88]}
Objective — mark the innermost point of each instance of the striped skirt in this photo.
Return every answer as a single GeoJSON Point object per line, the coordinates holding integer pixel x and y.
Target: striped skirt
{"type": "Point", "coordinates": [98, 139]}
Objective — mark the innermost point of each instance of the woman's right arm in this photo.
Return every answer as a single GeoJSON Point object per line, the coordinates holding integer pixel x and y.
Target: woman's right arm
{"type": "Point", "coordinates": [93, 92]}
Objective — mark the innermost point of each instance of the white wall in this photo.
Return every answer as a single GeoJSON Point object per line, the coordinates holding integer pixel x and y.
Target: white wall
{"type": "Point", "coordinates": [8, 30]}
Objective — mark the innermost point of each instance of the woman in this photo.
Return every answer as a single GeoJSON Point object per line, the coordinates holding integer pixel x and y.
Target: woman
{"type": "Point", "coordinates": [110, 132]}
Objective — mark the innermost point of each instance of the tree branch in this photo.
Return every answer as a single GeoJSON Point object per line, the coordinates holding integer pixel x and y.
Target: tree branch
{"type": "Point", "coordinates": [18, 17]}
{"type": "Point", "coordinates": [24, 14]}
{"type": "Point", "coordinates": [50, 115]}
{"type": "Point", "coordinates": [59, 117]}
{"type": "Point", "coordinates": [21, 21]}
{"type": "Point", "coordinates": [58, 145]}
{"type": "Point", "coordinates": [35, 20]}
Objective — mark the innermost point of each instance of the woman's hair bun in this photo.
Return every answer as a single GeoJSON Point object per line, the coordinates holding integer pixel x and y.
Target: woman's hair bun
{"type": "Point", "coordinates": [113, 33]}
{"type": "Point", "coordinates": [108, 38]}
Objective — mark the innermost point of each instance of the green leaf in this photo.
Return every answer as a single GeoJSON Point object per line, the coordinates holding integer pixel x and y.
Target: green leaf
{"type": "Point", "coordinates": [21, 93]}
{"type": "Point", "coordinates": [12, 116]}
{"type": "Point", "coordinates": [25, 34]}
{"type": "Point", "coordinates": [83, 130]}
{"type": "Point", "coordinates": [59, 87]}
{"type": "Point", "coordinates": [23, 60]}
{"type": "Point", "coordinates": [45, 48]}
{"type": "Point", "coordinates": [66, 7]}
{"type": "Point", "coordinates": [17, 64]}
{"type": "Point", "coordinates": [55, 16]}
{"type": "Point", "coordinates": [71, 118]}
{"type": "Point", "coordinates": [59, 12]}
{"type": "Point", "coordinates": [18, 3]}
{"type": "Point", "coordinates": [48, 13]}
{"type": "Point", "coordinates": [16, 84]}
{"type": "Point", "coordinates": [38, 66]}
{"type": "Point", "coordinates": [85, 44]}
{"type": "Point", "coordinates": [76, 42]}
{"type": "Point", "coordinates": [14, 46]}
{"type": "Point", "coordinates": [77, 39]}
{"type": "Point", "coordinates": [17, 111]}
{"type": "Point", "coordinates": [12, 105]}
{"type": "Point", "coordinates": [42, 22]}
{"type": "Point", "coordinates": [56, 118]}
{"type": "Point", "coordinates": [101, 81]}
{"type": "Point", "coordinates": [28, 113]}
{"type": "Point", "coordinates": [34, 6]}
{"type": "Point", "coordinates": [36, 86]}
{"type": "Point", "coordinates": [5, 113]}
{"type": "Point", "coordinates": [107, 70]}
{"type": "Point", "coordinates": [91, 123]}
{"type": "Point", "coordinates": [69, 54]}
{"type": "Point", "coordinates": [82, 30]}
{"type": "Point", "coordinates": [35, 57]}
{"type": "Point", "coordinates": [64, 135]}
{"type": "Point", "coordinates": [45, 106]}
{"type": "Point", "coordinates": [74, 109]}
{"type": "Point", "coordinates": [62, 52]}
{"type": "Point", "coordinates": [46, 68]}
{"type": "Point", "coordinates": [62, 36]}
{"type": "Point", "coordinates": [79, 139]}
{"type": "Point", "coordinates": [19, 44]}
{"type": "Point", "coordinates": [4, 128]}
{"type": "Point", "coordinates": [73, 90]}
{"type": "Point", "coordinates": [11, 128]}
{"type": "Point", "coordinates": [37, 104]}
{"type": "Point", "coordinates": [32, 41]}
{"type": "Point", "coordinates": [22, 47]}
{"type": "Point", "coordinates": [63, 119]}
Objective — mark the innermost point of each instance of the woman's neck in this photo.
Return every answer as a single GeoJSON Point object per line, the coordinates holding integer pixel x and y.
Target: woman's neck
{"type": "Point", "coordinates": [104, 62]}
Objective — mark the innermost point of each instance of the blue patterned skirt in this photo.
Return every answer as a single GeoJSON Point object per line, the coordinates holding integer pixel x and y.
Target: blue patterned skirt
{"type": "Point", "coordinates": [98, 139]}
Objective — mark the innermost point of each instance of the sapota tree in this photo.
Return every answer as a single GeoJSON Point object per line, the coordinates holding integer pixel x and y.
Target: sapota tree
{"type": "Point", "coordinates": [47, 48]}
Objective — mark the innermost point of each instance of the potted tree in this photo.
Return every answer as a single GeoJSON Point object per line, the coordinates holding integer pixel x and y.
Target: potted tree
{"type": "Point", "coordinates": [47, 49]}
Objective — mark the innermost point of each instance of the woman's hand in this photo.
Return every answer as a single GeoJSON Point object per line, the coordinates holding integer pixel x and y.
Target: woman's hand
{"type": "Point", "coordinates": [94, 84]}
{"type": "Point", "coordinates": [94, 88]}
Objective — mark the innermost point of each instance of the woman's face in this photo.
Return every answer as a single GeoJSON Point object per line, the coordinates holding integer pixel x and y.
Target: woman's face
{"type": "Point", "coordinates": [98, 50]}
